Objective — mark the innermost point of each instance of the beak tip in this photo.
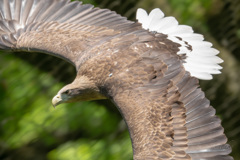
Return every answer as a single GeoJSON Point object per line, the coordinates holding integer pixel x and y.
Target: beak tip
{"type": "Point", "coordinates": [53, 106]}
{"type": "Point", "coordinates": [56, 101]}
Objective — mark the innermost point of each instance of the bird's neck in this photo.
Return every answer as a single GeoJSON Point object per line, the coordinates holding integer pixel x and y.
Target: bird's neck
{"type": "Point", "coordinates": [150, 128]}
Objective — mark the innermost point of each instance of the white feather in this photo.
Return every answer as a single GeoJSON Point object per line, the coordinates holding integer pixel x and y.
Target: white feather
{"type": "Point", "coordinates": [201, 59]}
{"type": "Point", "coordinates": [181, 29]}
{"type": "Point", "coordinates": [142, 17]}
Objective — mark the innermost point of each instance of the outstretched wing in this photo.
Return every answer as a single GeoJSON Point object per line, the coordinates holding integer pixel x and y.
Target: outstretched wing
{"type": "Point", "coordinates": [164, 108]}
{"type": "Point", "coordinates": [199, 58]}
{"type": "Point", "coordinates": [170, 100]}
{"type": "Point", "coordinates": [57, 27]}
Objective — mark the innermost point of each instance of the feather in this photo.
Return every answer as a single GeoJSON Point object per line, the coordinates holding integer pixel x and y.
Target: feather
{"type": "Point", "coordinates": [143, 18]}
{"type": "Point", "coordinates": [198, 51]}
{"type": "Point", "coordinates": [21, 16]}
{"type": "Point", "coordinates": [167, 114]}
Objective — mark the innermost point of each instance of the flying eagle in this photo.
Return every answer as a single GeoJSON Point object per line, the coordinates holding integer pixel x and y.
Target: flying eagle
{"type": "Point", "coordinates": [149, 69]}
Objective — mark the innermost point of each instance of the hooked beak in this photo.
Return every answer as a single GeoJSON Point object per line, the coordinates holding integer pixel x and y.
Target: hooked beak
{"type": "Point", "coordinates": [57, 100]}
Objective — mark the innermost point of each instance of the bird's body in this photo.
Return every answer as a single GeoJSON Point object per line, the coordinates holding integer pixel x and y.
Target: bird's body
{"type": "Point", "coordinates": [167, 115]}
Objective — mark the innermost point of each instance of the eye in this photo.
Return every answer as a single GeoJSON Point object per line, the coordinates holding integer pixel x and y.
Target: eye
{"type": "Point", "coordinates": [67, 91]}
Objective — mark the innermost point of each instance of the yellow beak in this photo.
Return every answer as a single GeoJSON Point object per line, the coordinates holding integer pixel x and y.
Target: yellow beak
{"type": "Point", "coordinates": [56, 100]}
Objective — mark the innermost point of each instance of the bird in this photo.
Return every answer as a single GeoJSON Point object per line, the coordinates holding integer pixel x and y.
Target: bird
{"type": "Point", "coordinates": [148, 68]}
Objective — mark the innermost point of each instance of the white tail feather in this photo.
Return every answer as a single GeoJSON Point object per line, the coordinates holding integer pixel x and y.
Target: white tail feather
{"type": "Point", "coordinates": [201, 60]}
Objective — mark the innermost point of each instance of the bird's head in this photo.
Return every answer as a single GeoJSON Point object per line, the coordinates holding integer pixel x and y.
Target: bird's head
{"type": "Point", "coordinates": [81, 89]}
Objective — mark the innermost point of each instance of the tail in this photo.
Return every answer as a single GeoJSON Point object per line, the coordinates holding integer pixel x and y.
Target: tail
{"type": "Point", "coordinates": [199, 57]}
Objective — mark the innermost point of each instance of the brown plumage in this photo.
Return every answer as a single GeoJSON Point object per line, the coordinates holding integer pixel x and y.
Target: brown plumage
{"type": "Point", "coordinates": [167, 115]}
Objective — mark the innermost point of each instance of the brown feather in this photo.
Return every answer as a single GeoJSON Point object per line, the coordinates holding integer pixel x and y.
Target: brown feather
{"type": "Point", "coordinates": [167, 115]}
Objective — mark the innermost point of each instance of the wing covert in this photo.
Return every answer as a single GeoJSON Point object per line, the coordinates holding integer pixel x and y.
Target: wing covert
{"type": "Point", "coordinates": [53, 21]}
{"type": "Point", "coordinates": [163, 98]}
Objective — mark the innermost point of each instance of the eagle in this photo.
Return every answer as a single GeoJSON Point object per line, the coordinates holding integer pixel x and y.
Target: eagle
{"type": "Point", "coordinates": [149, 69]}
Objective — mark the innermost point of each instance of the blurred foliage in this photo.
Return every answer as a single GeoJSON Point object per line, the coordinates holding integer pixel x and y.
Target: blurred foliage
{"type": "Point", "coordinates": [30, 128]}
{"type": "Point", "coordinates": [28, 117]}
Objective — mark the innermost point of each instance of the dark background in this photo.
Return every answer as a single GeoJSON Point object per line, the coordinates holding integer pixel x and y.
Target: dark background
{"type": "Point", "coordinates": [30, 128]}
